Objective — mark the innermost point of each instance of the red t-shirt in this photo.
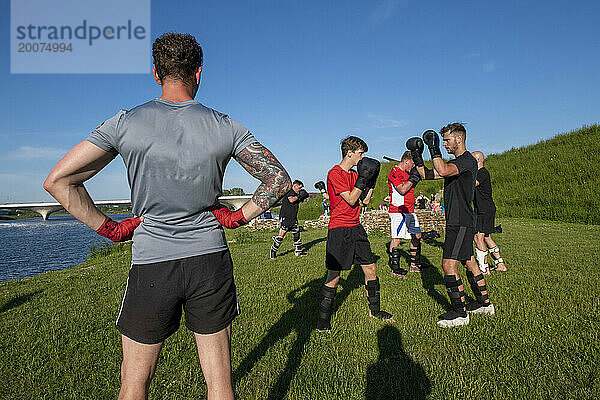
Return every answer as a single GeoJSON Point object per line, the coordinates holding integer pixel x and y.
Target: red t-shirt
{"type": "Point", "coordinates": [399, 203]}
{"type": "Point", "coordinates": [342, 214]}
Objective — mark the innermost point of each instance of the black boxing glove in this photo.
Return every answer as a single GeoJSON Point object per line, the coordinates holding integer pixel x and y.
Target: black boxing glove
{"type": "Point", "coordinates": [432, 140]}
{"type": "Point", "coordinates": [368, 170]}
{"type": "Point", "coordinates": [302, 195]}
{"type": "Point", "coordinates": [373, 180]}
{"type": "Point", "coordinates": [320, 186]}
{"type": "Point", "coordinates": [415, 146]}
{"type": "Point", "coordinates": [414, 176]}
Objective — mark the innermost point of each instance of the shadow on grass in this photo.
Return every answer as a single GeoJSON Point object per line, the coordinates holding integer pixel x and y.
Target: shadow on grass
{"type": "Point", "coordinates": [306, 246]}
{"type": "Point", "coordinates": [301, 318]}
{"type": "Point", "coordinates": [430, 277]}
{"type": "Point", "coordinates": [395, 375]}
{"type": "Point", "coordinates": [18, 301]}
{"type": "Point", "coordinates": [434, 242]}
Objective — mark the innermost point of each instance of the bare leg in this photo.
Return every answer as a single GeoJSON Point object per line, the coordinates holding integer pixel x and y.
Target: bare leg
{"type": "Point", "coordinates": [137, 369]}
{"type": "Point", "coordinates": [472, 267]}
{"type": "Point", "coordinates": [214, 352]}
{"type": "Point", "coordinates": [496, 255]}
{"type": "Point", "coordinates": [394, 243]}
{"type": "Point", "coordinates": [481, 251]}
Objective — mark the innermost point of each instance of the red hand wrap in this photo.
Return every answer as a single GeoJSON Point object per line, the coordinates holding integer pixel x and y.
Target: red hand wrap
{"type": "Point", "coordinates": [227, 218]}
{"type": "Point", "coordinates": [118, 232]}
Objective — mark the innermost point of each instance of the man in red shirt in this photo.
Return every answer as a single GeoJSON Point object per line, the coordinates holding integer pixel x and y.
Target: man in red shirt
{"type": "Point", "coordinates": [402, 180]}
{"type": "Point", "coordinates": [347, 242]}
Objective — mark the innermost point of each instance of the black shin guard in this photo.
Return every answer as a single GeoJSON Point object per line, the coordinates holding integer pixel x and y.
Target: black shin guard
{"type": "Point", "coordinates": [325, 306]}
{"type": "Point", "coordinates": [454, 292]}
{"type": "Point", "coordinates": [394, 262]}
{"type": "Point", "coordinates": [478, 288]}
{"type": "Point", "coordinates": [276, 243]}
{"type": "Point", "coordinates": [374, 300]}
{"type": "Point", "coordinates": [297, 243]}
{"type": "Point", "coordinates": [415, 255]}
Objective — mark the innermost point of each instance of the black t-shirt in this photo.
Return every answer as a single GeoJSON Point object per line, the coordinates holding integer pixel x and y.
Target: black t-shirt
{"type": "Point", "coordinates": [459, 192]}
{"type": "Point", "coordinates": [483, 201]}
{"type": "Point", "coordinates": [289, 210]}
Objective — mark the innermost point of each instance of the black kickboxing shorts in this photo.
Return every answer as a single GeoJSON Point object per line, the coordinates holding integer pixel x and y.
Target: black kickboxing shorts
{"type": "Point", "coordinates": [458, 244]}
{"type": "Point", "coordinates": [157, 293]}
{"type": "Point", "coordinates": [288, 224]}
{"type": "Point", "coordinates": [485, 223]}
{"type": "Point", "coordinates": [347, 246]}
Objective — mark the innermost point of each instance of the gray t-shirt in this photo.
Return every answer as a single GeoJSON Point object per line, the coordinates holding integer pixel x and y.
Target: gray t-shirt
{"type": "Point", "coordinates": [175, 154]}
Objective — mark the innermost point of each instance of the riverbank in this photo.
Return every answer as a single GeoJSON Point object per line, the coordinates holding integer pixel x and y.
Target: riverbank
{"type": "Point", "coordinates": [58, 338]}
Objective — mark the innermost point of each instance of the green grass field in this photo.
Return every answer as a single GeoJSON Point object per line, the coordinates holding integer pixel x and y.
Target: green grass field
{"type": "Point", "coordinates": [58, 339]}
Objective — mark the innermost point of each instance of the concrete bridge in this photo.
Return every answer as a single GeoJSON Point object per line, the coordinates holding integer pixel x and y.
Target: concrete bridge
{"type": "Point", "coordinates": [45, 209]}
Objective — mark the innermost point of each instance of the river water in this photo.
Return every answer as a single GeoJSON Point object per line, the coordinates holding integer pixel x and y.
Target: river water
{"type": "Point", "coordinates": [32, 246]}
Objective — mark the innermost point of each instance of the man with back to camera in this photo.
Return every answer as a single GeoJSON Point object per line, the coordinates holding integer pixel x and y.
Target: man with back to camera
{"type": "Point", "coordinates": [402, 179]}
{"type": "Point", "coordinates": [486, 214]}
{"type": "Point", "coordinates": [347, 241]}
{"type": "Point", "coordinates": [459, 186]}
{"type": "Point", "coordinates": [175, 150]}
{"type": "Point", "coordinates": [288, 218]}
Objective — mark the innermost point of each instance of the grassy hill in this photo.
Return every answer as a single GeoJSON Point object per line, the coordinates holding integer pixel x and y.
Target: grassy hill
{"type": "Point", "coordinates": [556, 179]}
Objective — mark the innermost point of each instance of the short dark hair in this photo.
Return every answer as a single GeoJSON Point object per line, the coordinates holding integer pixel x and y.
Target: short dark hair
{"type": "Point", "coordinates": [176, 56]}
{"type": "Point", "coordinates": [406, 156]}
{"type": "Point", "coordinates": [353, 143]}
{"type": "Point", "coordinates": [297, 182]}
{"type": "Point", "coordinates": [455, 129]}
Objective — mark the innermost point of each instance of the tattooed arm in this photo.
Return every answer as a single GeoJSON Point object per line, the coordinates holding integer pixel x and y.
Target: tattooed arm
{"type": "Point", "coordinates": [262, 164]}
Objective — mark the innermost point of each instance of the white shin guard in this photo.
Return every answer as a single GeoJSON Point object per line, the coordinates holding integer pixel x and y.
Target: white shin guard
{"type": "Point", "coordinates": [480, 255]}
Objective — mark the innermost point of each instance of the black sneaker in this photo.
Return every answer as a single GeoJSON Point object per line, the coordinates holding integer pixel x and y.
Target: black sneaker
{"type": "Point", "coordinates": [273, 254]}
{"type": "Point", "coordinates": [478, 308]}
{"type": "Point", "coordinates": [453, 318]}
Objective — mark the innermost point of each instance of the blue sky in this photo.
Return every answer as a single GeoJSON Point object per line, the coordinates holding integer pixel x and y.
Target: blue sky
{"type": "Point", "coordinates": [303, 75]}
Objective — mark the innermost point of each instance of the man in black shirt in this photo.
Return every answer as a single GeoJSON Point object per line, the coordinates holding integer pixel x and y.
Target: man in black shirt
{"type": "Point", "coordinates": [459, 187]}
{"type": "Point", "coordinates": [486, 213]}
{"type": "Point", "coordinates": [288, 218]}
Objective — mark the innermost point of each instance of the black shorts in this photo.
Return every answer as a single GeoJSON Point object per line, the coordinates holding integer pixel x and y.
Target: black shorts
{"type": "Point", "coordinates": [458, 244]}
{"type": "Point", "coordinates": [485, 223]}
{"type": "Point", "coordinates": [156, 294]}
{"type": "Point", "coordinates": [289, 224]}
{"type": "Point", "coordinates": [347, 246]}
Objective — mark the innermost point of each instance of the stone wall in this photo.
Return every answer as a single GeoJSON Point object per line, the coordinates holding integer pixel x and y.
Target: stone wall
{"type": "Point", "coordinates": [372, 220]}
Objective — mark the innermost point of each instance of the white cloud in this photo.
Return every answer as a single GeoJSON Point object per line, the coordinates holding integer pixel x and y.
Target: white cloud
{"type": "Point", "coordinates": [489, 66]}
{"type": "Point", "coordinates": [384, 10]}
{"type": "Point", "coordinates": [471, 55]}
{"type": "Point", "coordinates": [378, 121]}
{"type": "Point", "coordinates": [37, 153]}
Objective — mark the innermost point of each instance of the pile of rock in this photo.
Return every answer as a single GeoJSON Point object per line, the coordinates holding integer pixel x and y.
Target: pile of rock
{"type": "Point", "coordinates": [322, 222]}
{"type": "Point", "coordinates": [260, 224]}
{"type": "Point", "coordinates": [372, 220]}
{"type": "Point", "coordinates": [378, 220]}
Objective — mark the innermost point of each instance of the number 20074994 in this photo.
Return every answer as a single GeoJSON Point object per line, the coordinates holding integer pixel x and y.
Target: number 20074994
{"type": "Point", "coordinates": [45, 47]}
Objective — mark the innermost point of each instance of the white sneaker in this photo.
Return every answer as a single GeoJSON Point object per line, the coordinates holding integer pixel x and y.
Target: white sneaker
{"type": "Point", "coordinates": [453, 318]}
{"type": "Point", "coordinates": [476, 308]}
